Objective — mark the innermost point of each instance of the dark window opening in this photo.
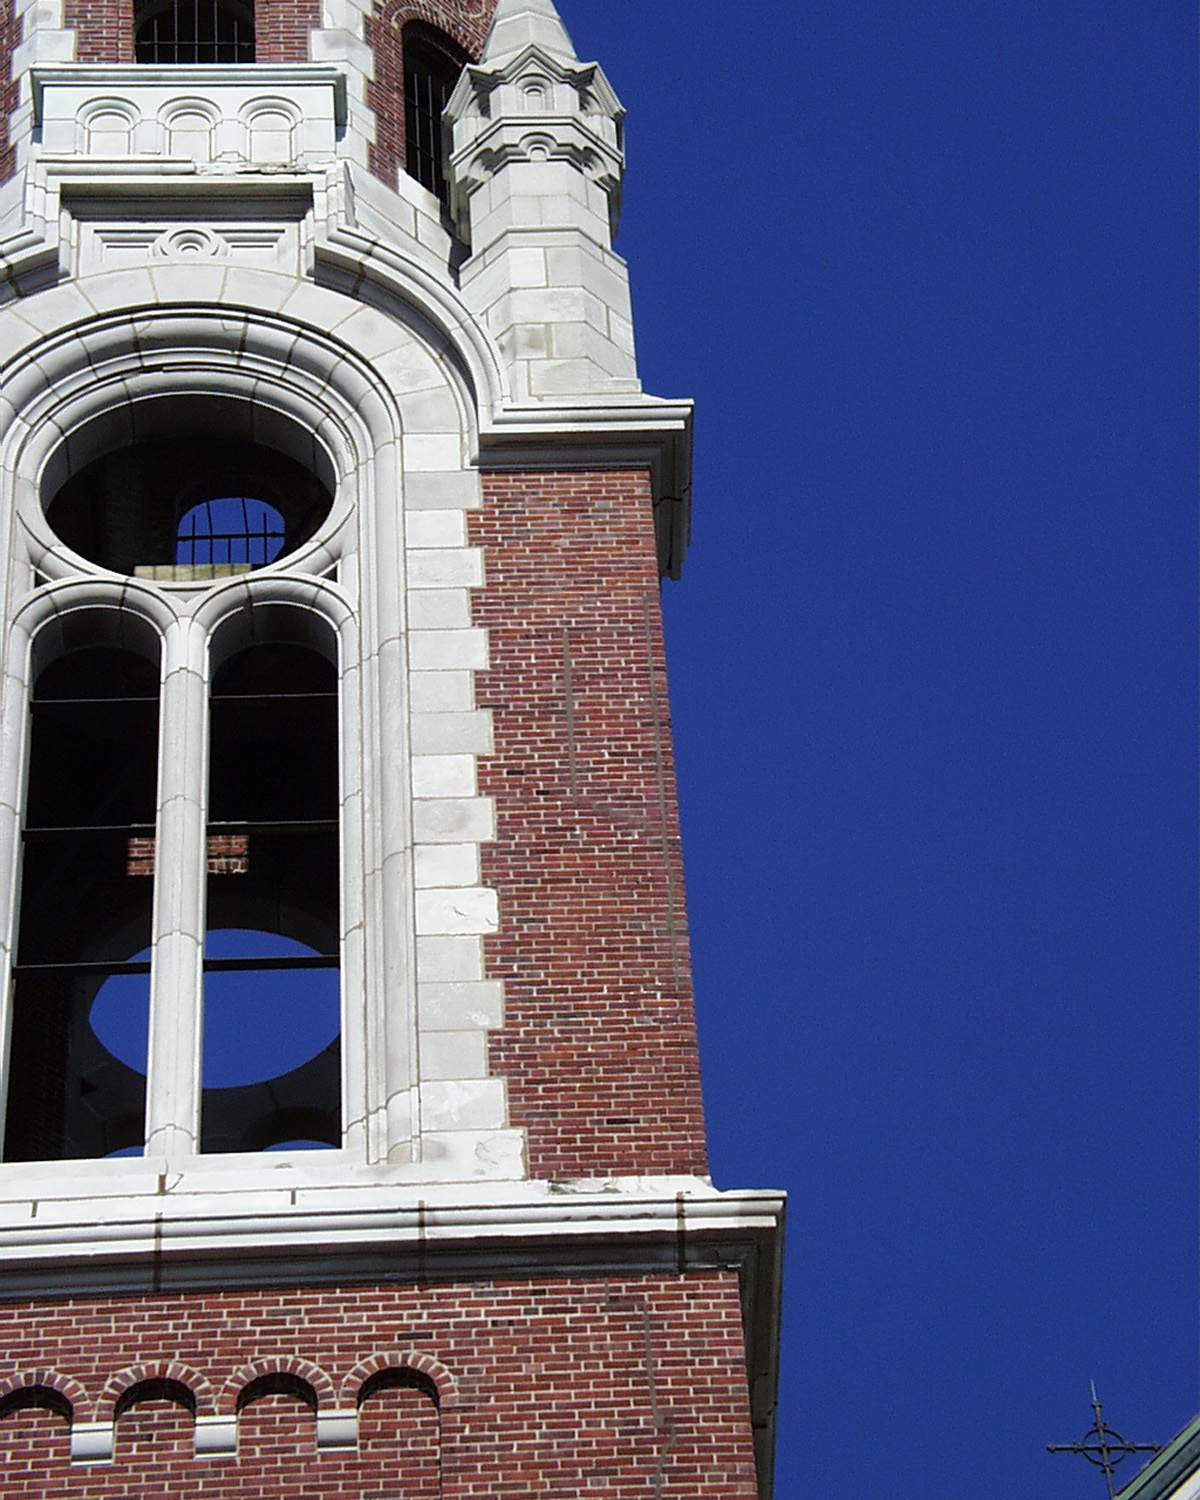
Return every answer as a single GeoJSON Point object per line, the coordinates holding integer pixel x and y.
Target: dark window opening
{"type": "Point", "coordinates": [194, 31]}
{"type": "Point", "coordinates": [281, 1383]}
{"type": "Point", "coordinates": [271, 960]}
{"type": "Point", "coordinates": [173, 1391]}
{"type": "Point", "coordinates": [198, 505]}
{"type": "Point", "coordinates": [36, 1398]}
{"type": "Point", "coordinates": [84, 920]}
{"type": "Point", "coordinates": [432, 65]}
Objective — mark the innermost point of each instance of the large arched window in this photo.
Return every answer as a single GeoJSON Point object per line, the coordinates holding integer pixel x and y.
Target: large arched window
{"type": "Point", "coordinates": [311, 855]}
{"type": "Point", "coordinates": [232, 1035]}
{"type": "Point", "coordinates": [432, 64]}
{"type": "Point", "coordinates": [96, 841]}
{"type": "Point", "coordinates": [194, 31]}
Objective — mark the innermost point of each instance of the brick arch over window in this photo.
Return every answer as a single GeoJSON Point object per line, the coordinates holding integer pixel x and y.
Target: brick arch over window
{"type": "Point", "coordinates": [413, 1361]}
{"type": "Point", "coordinates": [145, 1392]}
{"type": "Point", "coordinates": [119, 1390]}
{"type": "Point", "coordinates": [400, 1423]}
{"type": "Point", "coordinates": [36, 1423]}
{"type": "Point", "coordinates": [300, 1372]}
{"type": "Point", "coordinates": [466, 24]}
{"type": "Point", "coordinates": [60, 1390]}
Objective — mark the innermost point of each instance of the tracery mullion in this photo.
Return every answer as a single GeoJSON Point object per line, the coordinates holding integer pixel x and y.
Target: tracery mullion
{"type": "Point", "coordinates": [176, 988]}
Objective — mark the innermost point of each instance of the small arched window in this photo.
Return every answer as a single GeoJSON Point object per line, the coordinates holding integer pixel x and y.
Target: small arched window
{"type": "Point", "coordinates": [231, 532]}
{"type": "Point", "coordinates": [271, 950]}
{"type": "Point", "coordinates": [432, 64]}
{"type": "Point", "coordinates": [194, 31]}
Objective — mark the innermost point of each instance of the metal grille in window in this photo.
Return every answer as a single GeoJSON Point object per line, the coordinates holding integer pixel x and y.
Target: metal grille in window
{"type": "Point", "coordinates": [229, 532]}
{"type": "Point", "coordinates": [194, 31]}
{"type": "Point", "coordinates": [432, 64]}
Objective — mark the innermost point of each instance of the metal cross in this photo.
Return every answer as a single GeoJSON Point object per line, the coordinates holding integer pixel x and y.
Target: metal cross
{"type": "Point", "coordinates": [1103, 1447]}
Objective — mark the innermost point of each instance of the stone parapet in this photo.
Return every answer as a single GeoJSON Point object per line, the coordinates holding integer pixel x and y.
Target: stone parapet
{"type": "Point", "coordinates": [281, 114]}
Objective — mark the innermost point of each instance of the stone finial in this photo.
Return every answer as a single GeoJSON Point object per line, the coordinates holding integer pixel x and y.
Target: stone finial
{"type": "Point", "coordinates": [518, 24]}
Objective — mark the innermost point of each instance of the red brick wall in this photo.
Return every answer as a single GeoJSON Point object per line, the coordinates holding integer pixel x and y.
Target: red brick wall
{"type": "Point", "coordinates": [281, 29]}
{"type": "Point", "coordinates": [9, 90]}
{"type": "Point", "coordinates": [103, 29]}
{"type": "Point", "coordinates": [629, 1387]}
{"type": "Point", "coordinates": [464, 21]}
{"type": "Point", "coordinates": [599, 1041]}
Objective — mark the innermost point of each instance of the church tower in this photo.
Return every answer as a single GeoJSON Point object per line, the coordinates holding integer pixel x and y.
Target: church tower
{"type": "Point", "coordinates": [352, 1133]}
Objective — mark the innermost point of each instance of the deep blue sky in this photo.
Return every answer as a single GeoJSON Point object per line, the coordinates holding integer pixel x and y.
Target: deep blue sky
{"type": "Point", "coordinates": [929, 271]}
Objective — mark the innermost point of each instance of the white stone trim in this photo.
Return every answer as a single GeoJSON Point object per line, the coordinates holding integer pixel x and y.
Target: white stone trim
{"type": "Point", "coordinates": [337, 1430]}
{"type": "Point", "coordinates": [73, 360]}
{"type": "Point", "coordinates": [253, 1215]}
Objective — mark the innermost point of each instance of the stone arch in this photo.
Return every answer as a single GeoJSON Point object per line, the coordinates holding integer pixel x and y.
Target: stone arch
{"type": "Point", "coordinates": [291, 1366]}
{"type": "Point", "coordinates": [107, 126]}
{"type": "Point", "coordinates": [404, 337]}
{"type": "Point", "coordinates": [188, 127]}
{"type": "Point", "coordinates": [133, 612]}
{"type": "Point", "coordinates": [70, 1391]}
{"type": "Point", "coordinates": [419, 1363]}
{"type": "Point", "coordinates": [270, 123]}
{"type": "Point", "coordinates": [166, 1374]}
{"type": "Point", "coordinates": [242, 594]}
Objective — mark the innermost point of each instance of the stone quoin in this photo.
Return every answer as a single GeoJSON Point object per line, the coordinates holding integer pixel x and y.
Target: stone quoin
{"type": "Point", "coordinates": [353, 1142]}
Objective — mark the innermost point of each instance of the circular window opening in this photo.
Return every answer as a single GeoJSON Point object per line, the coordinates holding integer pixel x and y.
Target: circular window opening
{"type": "Point", "coordinates": [207, 489]}
{"type": "Point", "coordinates": [257, 1025]}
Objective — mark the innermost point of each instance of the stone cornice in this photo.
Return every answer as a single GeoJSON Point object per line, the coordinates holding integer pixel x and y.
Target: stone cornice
{"type": "Point", "coordinates": [120, 1234]}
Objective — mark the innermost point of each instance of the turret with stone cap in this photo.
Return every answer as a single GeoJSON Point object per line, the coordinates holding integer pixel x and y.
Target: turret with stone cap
{"type": "Point", "coordinates": [535, 185]}
{"type": "Point", "coordinates": [527, 23]}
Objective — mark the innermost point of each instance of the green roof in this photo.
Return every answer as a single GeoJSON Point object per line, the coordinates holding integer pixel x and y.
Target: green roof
{"type": "Point", "coordinates": [1167, 1470]}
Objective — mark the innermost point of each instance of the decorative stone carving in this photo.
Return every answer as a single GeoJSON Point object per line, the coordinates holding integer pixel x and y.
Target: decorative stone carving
{"type": "Point", "coordinates": [264, 244]}
{"type": "Point", "coordinates": [268, 113]}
